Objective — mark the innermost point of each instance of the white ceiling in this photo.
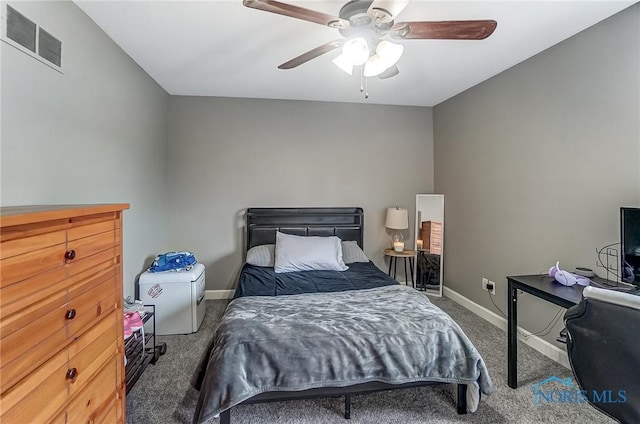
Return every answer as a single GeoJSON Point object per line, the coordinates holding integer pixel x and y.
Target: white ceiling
{"type": "Point", "coordinates": [222, 48]}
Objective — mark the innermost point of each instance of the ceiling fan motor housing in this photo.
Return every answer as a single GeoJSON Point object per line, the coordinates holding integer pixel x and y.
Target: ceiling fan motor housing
{"type": "Point", "coordinates": [361, 24]}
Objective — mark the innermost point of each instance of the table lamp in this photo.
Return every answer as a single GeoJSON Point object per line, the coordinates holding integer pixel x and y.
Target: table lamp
{"type": "Point", "coordinates": [397, 219]}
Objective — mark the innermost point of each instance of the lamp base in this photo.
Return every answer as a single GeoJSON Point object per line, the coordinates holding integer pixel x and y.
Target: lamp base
{"type": "Point", "coordinates": [397, 241]}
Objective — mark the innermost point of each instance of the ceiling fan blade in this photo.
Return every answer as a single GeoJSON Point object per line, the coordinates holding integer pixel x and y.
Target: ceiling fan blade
{"type": "Point", "coordinates": [444, 30]}
{"type": "Point", "coordinates": [296, 12]}
{"type": "Point", "coordinates": [391, 72]}
{"type": "Point", "coordinates": [386, 10]}
{"type": "Point", "coordinates": [312, 54]}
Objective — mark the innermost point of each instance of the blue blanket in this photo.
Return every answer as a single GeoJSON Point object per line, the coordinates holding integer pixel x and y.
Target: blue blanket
{"type": "Point", "coordinates": [263, 281]}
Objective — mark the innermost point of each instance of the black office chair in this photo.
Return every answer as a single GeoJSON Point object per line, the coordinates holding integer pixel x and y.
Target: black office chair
{"type": "Point", "coordinates": [603, 344]}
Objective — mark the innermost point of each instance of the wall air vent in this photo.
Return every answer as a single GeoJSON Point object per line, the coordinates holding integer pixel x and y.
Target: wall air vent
{"type": "Point", "coordinates": [49, 47]}
{"type": "Point", "coordinates": [30, 38]}
{"type": "Point", "coordinates": [20, 29]}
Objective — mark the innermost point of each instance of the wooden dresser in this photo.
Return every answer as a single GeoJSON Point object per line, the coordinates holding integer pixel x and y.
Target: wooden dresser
{"type": "Point", "coordinates": [61, 330]}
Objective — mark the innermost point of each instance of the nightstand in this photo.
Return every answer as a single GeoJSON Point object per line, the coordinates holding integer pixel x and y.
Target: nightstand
{"type": "Point", "coordinates": [393, 262]}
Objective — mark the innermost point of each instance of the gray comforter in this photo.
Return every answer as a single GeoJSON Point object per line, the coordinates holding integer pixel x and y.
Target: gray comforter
{"type": "Point", "coordinates": [389, 334]}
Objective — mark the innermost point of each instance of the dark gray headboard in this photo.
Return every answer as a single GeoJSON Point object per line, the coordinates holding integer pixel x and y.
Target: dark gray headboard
{"type": "Point", "coordinates": [262, 223]}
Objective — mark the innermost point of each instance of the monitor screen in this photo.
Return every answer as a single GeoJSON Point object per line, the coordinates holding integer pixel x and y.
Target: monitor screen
{"type": "Point", "coordinates": [630, 241]}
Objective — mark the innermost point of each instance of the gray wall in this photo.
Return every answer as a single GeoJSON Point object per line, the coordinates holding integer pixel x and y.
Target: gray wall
{"type": "Point", "coordinates": [229, 154]}
{"type": "Point", "coordinates": [535, 163]}
{"type": "Point", "coordinates": [95, 134]}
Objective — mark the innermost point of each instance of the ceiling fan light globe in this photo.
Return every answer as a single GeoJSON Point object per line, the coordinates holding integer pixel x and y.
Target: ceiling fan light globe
{"type": "Point", "coordinates": [357, 50]}
{"type": "Point", "coordinates": [344, 62]}
{"type": "Point", "coordinates": [390, 53]}
{"type": "Point", "coordinates": [390, 72]}
{"type": "Point", "coordinates": [374, 66]}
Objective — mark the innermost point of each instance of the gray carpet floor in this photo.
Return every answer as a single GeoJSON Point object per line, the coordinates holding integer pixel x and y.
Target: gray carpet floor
{"type": "Point", "coordinates": [163, 395]}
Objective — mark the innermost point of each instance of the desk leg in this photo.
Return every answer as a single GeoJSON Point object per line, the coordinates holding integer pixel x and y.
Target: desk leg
{"type": "Point", "coordinates": [512, 337]}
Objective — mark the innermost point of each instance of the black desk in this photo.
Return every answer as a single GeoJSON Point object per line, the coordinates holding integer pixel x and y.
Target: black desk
{"type": "Point", "coordinates": [541, 286]}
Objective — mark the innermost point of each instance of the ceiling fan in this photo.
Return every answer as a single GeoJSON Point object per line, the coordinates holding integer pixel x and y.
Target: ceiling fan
{"type": "Point", "coordinates": [366, 26]}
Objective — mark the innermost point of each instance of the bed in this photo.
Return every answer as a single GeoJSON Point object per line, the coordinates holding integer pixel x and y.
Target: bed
{"type": "Point", "coordinates": [320, 333]}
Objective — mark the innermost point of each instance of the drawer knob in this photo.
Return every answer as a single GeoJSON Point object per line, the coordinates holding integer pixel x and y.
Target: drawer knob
{"type": "Point", "coordinates": [71, 314]}
{"type": "Point", "coordinates": [72, 374]}
{"type": "Point", "coordinates": [70, 255]}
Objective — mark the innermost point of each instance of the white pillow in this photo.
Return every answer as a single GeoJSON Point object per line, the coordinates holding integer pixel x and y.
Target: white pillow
{"type": "Point", "coordinates": [298, 253]}
{"type": "Point", "coordinates": [263, 255]}
{"type": "Point", "coordinates": [351, 253]}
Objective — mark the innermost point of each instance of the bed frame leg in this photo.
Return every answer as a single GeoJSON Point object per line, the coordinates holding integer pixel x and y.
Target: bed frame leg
{"type": "Point", "coordinates": [461, 404]}
{"type": "Point", "coordinates": [225, 417]}
{"type": "Point", "coordinates": [347, 407]}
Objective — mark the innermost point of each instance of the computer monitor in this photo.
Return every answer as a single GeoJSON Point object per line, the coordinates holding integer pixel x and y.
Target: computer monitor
{"type": "Point", "coordinates": [630, 245]}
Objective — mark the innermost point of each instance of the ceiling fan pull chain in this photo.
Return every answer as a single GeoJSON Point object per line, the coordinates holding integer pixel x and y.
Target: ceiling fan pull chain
{"type": "Point", "coordinates": [363, 84]}
{"type": "Point", "coordinates": [366, 89]}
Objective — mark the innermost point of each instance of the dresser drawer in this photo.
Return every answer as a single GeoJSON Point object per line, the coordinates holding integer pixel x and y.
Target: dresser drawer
{"type": "Point", "coordinates": [18, 352]}
{"type": "Point", "coordinates": [40, 395]}
{"type": "Point", "coordinates": [83, 231]}
{"type": "Point", "coordinates": [21, 259]}
{"type": "Point", "coordinates": [92, 351]}
{"type": "Point", "coordinates": [94, 396]}
{"type": "Point", "coordinates": [18, 296]}
{"type": "Point", "coordinates": [23, 321]}
{"type": "Point", "coordinates": [89, 263]}
{"type": "Point", "coordinates": [88, 246]}
{"type": "Point", "coordinates": [36, 333]}
{"type": "Point", "coordinates": [21, 246]}
{"type": "Point", "coordinates": [108, 415]}
{"type": "Point", "coordinates": [92, 305]}
{"type": "Point", "coordinates": [20, 267]}
{"type": "Point", "coordinates": [46, 390]}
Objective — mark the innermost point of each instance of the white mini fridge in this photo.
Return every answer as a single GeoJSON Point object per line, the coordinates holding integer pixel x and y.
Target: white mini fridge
{"type": "Point", "coordinates": [178, 297]}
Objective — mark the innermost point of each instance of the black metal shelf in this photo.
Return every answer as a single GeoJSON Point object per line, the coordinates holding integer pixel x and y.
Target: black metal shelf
{"type": "Point", "coordinates": [140, 355]}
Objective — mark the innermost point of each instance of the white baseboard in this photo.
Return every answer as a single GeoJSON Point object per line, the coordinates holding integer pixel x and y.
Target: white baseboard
{"type": "Point", "coordinates": [547, 349]}
{"type": "Point", "coordinates": [218, 294]}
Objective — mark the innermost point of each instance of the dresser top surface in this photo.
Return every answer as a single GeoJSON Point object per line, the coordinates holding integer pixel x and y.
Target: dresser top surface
{"type": "Point", "coordinates": [17, 215]}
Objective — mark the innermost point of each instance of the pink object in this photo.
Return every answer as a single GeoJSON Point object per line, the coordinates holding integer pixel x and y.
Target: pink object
{"type": "Point", "coordinates": [135, 322]}
{"type": "Point", "coordinates": [127, 328]}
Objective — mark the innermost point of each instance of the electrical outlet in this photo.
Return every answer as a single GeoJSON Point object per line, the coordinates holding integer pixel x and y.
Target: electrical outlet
{"type": "Point", "coordinates": [486, 283]}
{"type": "Point", "coordinates": [492, 287]}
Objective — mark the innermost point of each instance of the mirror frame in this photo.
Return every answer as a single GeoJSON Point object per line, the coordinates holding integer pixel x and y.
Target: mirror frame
{"type": "Point", "coordinates": [418, 224]}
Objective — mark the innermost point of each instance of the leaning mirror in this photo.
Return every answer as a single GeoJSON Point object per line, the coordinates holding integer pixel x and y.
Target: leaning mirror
{"type": "Point", "coordinates": [429, 233]}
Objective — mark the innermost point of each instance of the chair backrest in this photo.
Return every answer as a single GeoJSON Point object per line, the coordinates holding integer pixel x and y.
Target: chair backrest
{"type": "Point", "coordinates": [604, 351]}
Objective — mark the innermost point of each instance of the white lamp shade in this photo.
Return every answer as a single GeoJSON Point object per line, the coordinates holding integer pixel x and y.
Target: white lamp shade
{"type": "Point", "coordinates": [389, 52]}
{"type": "Point", "coordinates": [356, 50]}
{"type": "Point", "coordinates": [344, 62]}
{"type": "Point", "coordinates": [397, 219]}
{"type": "Point", "coordinates": [387, 55]}
{"type": "Point", "coordinates": [374, 66]}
